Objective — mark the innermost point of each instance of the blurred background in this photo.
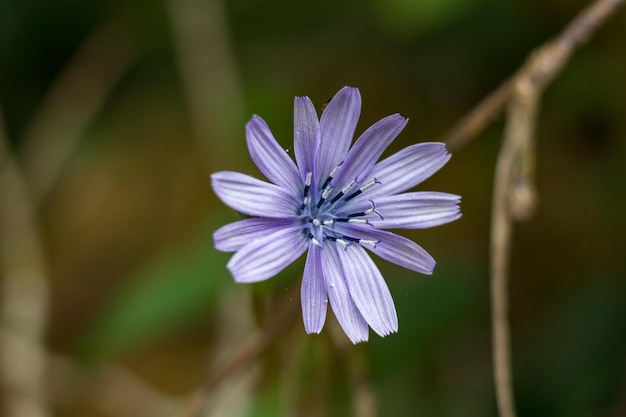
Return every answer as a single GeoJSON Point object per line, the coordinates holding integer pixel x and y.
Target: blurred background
{"type": "Point", "coordinates": [116, 112]}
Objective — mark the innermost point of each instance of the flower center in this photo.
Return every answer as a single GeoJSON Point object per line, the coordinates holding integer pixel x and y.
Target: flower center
{"type": "Point", "coordinates": [322, 209]}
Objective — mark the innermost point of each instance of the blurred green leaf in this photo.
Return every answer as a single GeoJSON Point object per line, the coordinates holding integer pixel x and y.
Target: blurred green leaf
{"type": "Point", "coordinates": [410, 17]}
{"type": "Point", "coordinates": [166, 294]}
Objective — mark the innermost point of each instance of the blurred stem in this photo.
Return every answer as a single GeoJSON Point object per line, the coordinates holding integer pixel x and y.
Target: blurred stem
{"type": "Point", "coordinates": [364, 397]}
{"type": "Point", "coordinates": [544, 65]}
{"type": "Point", "coordinates": [25, 295]}
{"type": "Point", "coordinates": [76, 96]}
{"type": "Point", "coordinates": [208, 70]}
{"type": "Point", "coordinates": [518, 135]}
{"type": "Point", "coordinates": [245, 354]}
{"type": "Point", "coordinates": [514, 194]}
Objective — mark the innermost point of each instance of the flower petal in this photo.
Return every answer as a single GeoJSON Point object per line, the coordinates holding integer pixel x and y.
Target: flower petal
{"type": "Point", "coordinates": [313, 293]}
{"type": "Point", "coordinates": [254, 197]}
{"type": "Point", "coordinates": [306, 134]}
{"type": "Point", "coordinates": [337, 126]}
{"type": "Point", "coordinates": [270, 157]}
{"type": "Point", "coordinates": [406, 168]}
{"type": "Point", "coordinates": [417, 210]}
{"type": "Point", "coordinates": [369, 290]}
{"type": "Point", "coordinates": [347, 313]}
{"type": "Point", "coordinates": [392, 247]}
{"type": "Point", "coordinates": [263, 258]}
{"type": "Point", "coordinates": [234, 236]}
{"type": "Point", "coordinates": [368, 148]}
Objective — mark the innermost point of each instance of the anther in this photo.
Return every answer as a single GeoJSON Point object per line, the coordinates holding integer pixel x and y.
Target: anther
{"type": "Point", "coordinates": [363, 189]}
{"type": "Point", "coordinates": [342, 243]}
{"type": "Point", "coordinates": [357, 221]}
{"type": "Point", "coordinates": [373, 210]}
{"type": "Point", "coordinates": [329, 222]}
{"type": "Point", "coordinates": [371, 243]}
{"type": "Point", "coordinates": [344, 190]}
{"type": "Point", "coordinates": [307, 183]}
{"type": "Point", "coordinates": [332, 175]}
{"type": "Point", "coordinates": [325, 195]}
{"type": "Point", "coordinates": [305, 202]}
{"type": "Point", "coordinates": [366, 212]}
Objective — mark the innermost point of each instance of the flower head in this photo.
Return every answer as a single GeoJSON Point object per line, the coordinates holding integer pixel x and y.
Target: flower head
{"type": "Point", "coordinates": [334, 202]}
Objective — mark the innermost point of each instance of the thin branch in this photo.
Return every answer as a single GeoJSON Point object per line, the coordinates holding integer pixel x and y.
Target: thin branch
{"type": "Point", "coordinates": [514, 194]}
{"type": "Point", "coordinates": [518, 136]}
{"type": "Point", "coordinates": [543, 66]}
{"type": "Point", "coordinates": [478, 118]}
{"type": "Point", "coordinates": [25, 295]}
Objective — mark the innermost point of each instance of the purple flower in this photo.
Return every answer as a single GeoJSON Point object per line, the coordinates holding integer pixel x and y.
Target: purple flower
{"type": "Point", "coordinates": [333, 203]}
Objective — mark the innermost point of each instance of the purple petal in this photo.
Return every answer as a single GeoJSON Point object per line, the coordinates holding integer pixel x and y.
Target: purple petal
{"type": "Point", "coordinates": [254, 197]}
{"type": "Point", "coordinates": [369, 147]}
{"type": "Point", "coordinates": [234, 236]}
{"type": "Point", "coordinates": [306, 134]}
{"type": "Point", "coordinates": [347, 313]}
{"type": "Point", "coordinates": [417, 210]}
{"type": "Point", "coordinates": [270, 157]}
{"type": "Point", "coordinates": [369, 290]}
{"type": "Point", "coordinates": [263, 258]}
{"type": "Point", "coordinates": [337, 127]}
{"type": "Point", "coordinates": [313, 292]}
{"type": "Point", "coordinates": [406, 169]}
{"type": "Point", "coordinates": [392, 247]}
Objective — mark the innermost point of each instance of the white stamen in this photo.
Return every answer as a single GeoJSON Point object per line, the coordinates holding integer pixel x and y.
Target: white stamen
{"type": "Point", "coordinates": [347, 187]}
{"type": "Point", "coordinates": [326, 192]}
{"type": "Point", "coordinates": [369, 185]}
{"type": "Point", "coordinates": [334, 171]}
{"type": "Point", "coordinates": [316, 242]}
{"type": "Point", "coordinates": [343, 243]}
{"type": "Point", "coordinates": [328, 222]}
{"type": "Point", "coordinates": [316, 222]}
{"type": "Point", "coordinates": [371, 243]}
{"type": "Point", "coordinates": [357, 221]}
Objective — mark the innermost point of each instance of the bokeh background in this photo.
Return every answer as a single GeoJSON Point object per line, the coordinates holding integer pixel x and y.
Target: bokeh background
{"type": "Point", "coordinates": [118, 111]}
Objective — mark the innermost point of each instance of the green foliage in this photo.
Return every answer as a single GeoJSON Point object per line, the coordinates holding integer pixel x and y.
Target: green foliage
{"type": "Point", "coordinates": [410, 17]}
{"type": "Point", "coordinates": [169, 293]}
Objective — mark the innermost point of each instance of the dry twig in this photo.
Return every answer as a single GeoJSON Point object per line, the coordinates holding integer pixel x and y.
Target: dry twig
{"type": "Point", "coordinates": [514, 194]}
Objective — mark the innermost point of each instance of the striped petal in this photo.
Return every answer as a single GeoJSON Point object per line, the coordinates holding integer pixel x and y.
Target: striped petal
{"type": "Point", "coordinates": [270, 157]}
{"type": "Point", "coordinates": [369, 290]}
{"type": "Point", "coordinates": [417, 210]}
{"type": "Point", "coordinates": [313, 293]}
{"type": "Point", "coordinates": [347, 313]}
{"type": "Point", "coordinates": [406, 168]}
{"type": "Point", "coordinates": [337, 126]}
{"type": "Point", "coordinates": [234, 236]}
{"type": "Point", "coordinates": [391, 247]}
{"type": "Point", "coordinates": [369, 147]}
{"type": "Point", "coordinates": [263, 258]}
{"type": "Point", "coordinates": [254, 197]}
{"type": "Point", "coordinates": [306, 134]}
